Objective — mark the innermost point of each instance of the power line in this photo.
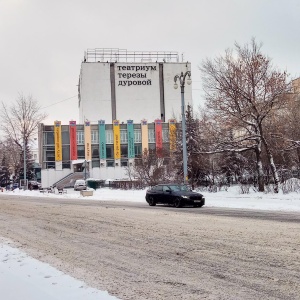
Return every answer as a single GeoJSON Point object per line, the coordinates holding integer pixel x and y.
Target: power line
{"type": "Point", "coordinates": [59, 102]}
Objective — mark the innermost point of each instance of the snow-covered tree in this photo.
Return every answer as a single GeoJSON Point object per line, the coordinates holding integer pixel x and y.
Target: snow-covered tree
{"type": "Point", "coordinates": [242, 88]}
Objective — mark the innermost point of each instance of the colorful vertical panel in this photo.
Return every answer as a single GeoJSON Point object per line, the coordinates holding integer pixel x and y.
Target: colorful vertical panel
{"type": "Point", "coordinates": [73, 140]}
{"type": "Point", "coordinates": [57, 141]}
{"type": "Point", "coordinates": [102, 139]}
{"type": "Point", "coordinates": [158, 137]}
{"type": "Point", "coordinates": [117, 140]}
{"type": "Point", "coordinates": [87, 141]}
{"type": "Point", "coordinates": [144, 136]}
{"type": "Point", "coordinates": [172, 134]}
{"type": "Point", "coordinates": [130, 138]}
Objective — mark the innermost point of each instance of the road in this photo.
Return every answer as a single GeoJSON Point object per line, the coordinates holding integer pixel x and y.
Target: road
{"type": "Point", "coordinates": [139, 252]}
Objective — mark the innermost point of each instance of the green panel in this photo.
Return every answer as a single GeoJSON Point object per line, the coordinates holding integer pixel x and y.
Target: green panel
{"type": "Point", "coordinates": [130, 138]}
{"type": "Point", "coordinates": [102, 139]}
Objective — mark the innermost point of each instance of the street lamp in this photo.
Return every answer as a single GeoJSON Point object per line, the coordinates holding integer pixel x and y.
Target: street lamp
{"type": "Point", "coordinates": [25, 185]}
{"type": "Point", "coordinates": [182, 78]}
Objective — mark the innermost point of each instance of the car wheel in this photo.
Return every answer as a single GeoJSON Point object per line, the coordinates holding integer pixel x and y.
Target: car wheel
{"type": "Point", "coordinates": [151, 201]}
{"type": "Point", "coordinates": [177, 202]}
{"type": "Point", "coordinates": [201, 204]}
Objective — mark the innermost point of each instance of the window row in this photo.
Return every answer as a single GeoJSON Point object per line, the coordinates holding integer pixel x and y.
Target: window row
{"type": "Point", "coordinates": [109, 135]}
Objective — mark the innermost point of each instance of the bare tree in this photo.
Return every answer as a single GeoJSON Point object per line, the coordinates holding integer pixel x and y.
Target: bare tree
{"type": "Point", "coordinates": [152, 169]}
{"type": "Point", "coordinates": [19, 122]}
{"type": "Point", "coordinates": [243, 88]}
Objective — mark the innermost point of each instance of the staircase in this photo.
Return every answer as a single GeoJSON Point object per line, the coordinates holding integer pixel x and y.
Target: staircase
{"type": "Point", "coordinates": [69, 180]}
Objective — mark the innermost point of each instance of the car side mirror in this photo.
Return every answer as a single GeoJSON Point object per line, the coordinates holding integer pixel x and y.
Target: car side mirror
{"type": "Point", "coordinates": [169, 191]}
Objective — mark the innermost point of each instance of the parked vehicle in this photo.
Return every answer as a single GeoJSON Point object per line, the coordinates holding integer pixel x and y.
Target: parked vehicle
{"type": "Point", "coordinates": [79, 185]}
{"type": "Point", "coordinates": [34, 185]}
{"type": "Point", "coordinates": [174, 194]}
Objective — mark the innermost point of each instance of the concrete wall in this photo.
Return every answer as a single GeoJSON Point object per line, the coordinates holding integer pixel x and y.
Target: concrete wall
{"type": "Point", "coordinates": [95, 92]}
{"type": "Point", "coordinates": [172, 96]}
{"type": "Point", "coordinates": [108, 173]}
{"type": "Point", "coordinates": [137, 93]}
{"type": "Point", "coordinates": [139, 98]}
{"type": "Point", "coordinates": [50, 176]}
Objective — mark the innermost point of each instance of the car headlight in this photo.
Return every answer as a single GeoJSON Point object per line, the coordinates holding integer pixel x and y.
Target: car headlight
{"type": "Point", "coordinates": [185, 197]}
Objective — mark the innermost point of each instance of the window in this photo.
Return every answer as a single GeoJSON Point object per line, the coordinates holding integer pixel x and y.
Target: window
{"type": "Point", "coordinates": [124, 150]}
{"type": "Point", "coordinates": [109, 136]}
{"type": "Point", "coordinates": [165, 134]}
{"type": "Point", "coordinates": [123, 136]}
{"type": "Point", "coordinates": [157, 188]}
{"type": "Point", "coordinates": [65, 137]}
{"type": "Point", "coordinates": [166, 188]}
{"type": "Point", "coordinates": [94, 137]}
{"type": "Point", "coordinates": [109, 151]}
{"type": "Point", "coordinates": [95, 151]}
{"type": "Point", "coordinates": [65, 134]}
{"type": "Point", "coordinates": [138, 150]}
{"type": "Point", "coordinates": [110, 163]}
{"type": "Point", "coordinates": [151, 135]}
{"type": "Point", "coordinates": [137, 135]}
{"type": "Point", "coordinates": [66, 165]}
{"type": "Point", "coordinates": [80, 137]}
{"type": "Point", "coordinates": [80, 152]}
{"type": "Point", "coordinates": [124, 163]}
{"type": "Point", "coordinates": [48, 138]}
{"type": "Point", "coordinates": [66, 152]}
{"type": "Point", "coordinates": [95, 163]}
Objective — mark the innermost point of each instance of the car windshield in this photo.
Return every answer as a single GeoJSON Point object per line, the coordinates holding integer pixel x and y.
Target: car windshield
{"type": "Point", "coordinates": [177, 188]}
{"type": "Point", "coordinates": [80, 182]}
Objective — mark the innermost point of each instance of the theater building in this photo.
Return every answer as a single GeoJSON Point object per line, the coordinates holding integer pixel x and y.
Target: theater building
{"type": "Point", "coordinates": [127, 104]}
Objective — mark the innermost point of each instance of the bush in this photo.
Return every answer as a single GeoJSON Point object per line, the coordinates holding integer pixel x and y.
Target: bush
{"type": "Point", "coordinates": [291, 185]}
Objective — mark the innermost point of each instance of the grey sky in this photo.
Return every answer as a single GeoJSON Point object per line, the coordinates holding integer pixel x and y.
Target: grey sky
{"type": "Point", "coordinates": [43, 42]}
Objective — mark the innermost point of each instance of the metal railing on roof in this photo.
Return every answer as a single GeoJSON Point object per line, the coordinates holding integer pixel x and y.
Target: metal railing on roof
{"type": "Point", "coordinates": [123, 55]}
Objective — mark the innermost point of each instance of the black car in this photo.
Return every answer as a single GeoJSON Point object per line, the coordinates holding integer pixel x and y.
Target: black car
{"type": "Point", "coordinates": [174, 194]}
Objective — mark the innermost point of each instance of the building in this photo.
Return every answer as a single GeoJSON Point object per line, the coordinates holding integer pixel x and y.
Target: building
{"type": "Point", "coordinates": [127, 103]}
{"type": "Point", "coordinates": [100, 150]}
{"type": "Point", "coordinates": [116, 84]}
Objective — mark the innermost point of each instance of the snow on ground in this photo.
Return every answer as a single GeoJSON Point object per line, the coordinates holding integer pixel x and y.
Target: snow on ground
{"type": "Point", "coordinates": [23, 277]}
{"type": "Point", "coordinates": [36, 280]}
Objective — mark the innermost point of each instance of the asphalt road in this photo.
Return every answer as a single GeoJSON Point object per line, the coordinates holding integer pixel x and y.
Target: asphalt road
{"type": "Point", "coordinates": [279, 216]}
{"type": "Point", "coordinates": [140, 252]}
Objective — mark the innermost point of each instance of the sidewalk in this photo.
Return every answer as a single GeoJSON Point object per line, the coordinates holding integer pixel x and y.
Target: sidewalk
{"type": "Point", "coordinates": [25, 278]}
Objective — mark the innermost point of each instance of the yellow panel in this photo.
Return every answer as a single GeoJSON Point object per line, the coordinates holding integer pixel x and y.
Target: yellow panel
{"type": "Point", "coordinates": [57, 141]}
{"type": "Point", "coordinates": [117, 141]}
{"type": "Point", "coordinates": [87, 140]}
{"type": "Point", "coordinates": [144, 136]}
{"type": "Point", "coordinates": [172, 134]}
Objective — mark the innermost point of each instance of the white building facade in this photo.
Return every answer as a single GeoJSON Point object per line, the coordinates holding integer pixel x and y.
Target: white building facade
{"type": "Point", "coordinates": [122, 85]}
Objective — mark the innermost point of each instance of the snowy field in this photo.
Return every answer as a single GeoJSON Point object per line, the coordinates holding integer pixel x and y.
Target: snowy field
{"type": "Point", "coordinates": [36, 280]}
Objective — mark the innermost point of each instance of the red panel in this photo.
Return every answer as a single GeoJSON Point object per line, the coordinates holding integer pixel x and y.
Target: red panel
{"type": "Point", "coordinates": [73, 140]}
{"type": "Point", "coordinates": [158, 137]}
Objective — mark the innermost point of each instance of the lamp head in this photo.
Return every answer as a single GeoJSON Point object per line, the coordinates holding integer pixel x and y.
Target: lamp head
{"type": "Point", "coordinates": [189, 80]}
{"type": "Point", "coordinates": [175, 85]}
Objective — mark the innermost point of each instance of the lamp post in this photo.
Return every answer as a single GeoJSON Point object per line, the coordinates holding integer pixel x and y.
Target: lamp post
{"type": "Point", "coordinates": [181, 79]}
{"type": "Point", "coordinates": [25, 185]}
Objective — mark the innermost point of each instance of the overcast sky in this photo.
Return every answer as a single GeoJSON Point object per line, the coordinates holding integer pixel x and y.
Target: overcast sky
{"type": "Point", "coordinates": [43, 42]}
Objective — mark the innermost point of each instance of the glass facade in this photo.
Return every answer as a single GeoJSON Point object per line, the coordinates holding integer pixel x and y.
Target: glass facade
{"type": "Point", "coordinates": [48, 151]}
